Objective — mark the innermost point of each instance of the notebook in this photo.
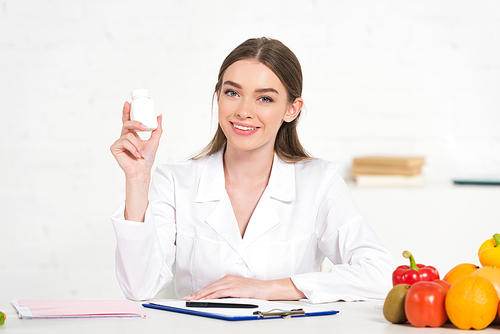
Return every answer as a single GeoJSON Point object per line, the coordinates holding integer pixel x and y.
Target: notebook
{"type": "Point", "coordinates": [50, 309]}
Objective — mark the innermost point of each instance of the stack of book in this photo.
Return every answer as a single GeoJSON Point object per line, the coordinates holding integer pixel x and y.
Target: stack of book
{"type": "Point", "coordinates": [387, 171]}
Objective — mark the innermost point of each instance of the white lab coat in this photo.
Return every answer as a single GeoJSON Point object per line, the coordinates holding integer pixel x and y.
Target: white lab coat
{"type": "Point", "coordinates": [305, 213]}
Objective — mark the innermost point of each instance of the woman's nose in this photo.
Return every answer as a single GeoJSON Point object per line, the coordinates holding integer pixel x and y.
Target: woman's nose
{"type": "Point", "coordinates": [246, 109]}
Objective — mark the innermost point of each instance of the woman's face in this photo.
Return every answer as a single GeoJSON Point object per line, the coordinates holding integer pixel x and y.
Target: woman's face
{"type": "Point", "coordinates": [253, 103]}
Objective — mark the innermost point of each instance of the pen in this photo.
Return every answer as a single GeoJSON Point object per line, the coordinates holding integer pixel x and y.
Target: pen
{"type": "Point", "coordinates": [220, 305]}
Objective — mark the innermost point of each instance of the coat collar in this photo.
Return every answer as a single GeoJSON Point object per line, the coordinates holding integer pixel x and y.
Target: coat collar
{"type": "Point", "coordinates": [282, 181]}
{"type": "Point", "coordinates": [212, 185]}
{"type": "Point", "coordinates": [211, 190]}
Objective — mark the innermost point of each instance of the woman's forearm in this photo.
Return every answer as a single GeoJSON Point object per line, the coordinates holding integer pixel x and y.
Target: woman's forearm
{"type": "Point", "coordinates": [136, 200]}
{"type": "Point", "coordinates": [284, 289]}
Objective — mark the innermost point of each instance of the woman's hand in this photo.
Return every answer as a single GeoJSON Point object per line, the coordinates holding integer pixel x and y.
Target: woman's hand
{"type": "Point", "coordinates": [240, 287]}
{"type": "Point", "coordinates": [134, 155]}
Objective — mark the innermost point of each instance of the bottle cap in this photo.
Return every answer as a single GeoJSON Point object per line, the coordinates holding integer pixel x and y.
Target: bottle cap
{"type": "Point", "coordinates": [140, 93]}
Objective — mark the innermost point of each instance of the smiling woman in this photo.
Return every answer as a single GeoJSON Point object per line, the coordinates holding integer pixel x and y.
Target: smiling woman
{"type": "Point", "coordinates": [285, 66]}
{"type": "Point", "coordinates": [253, 104]}
{"type": "Point", "coordinates": [251, 216]}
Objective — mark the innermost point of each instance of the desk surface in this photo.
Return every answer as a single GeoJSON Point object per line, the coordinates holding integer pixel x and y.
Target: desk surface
{"type": "Point", "coordinates": [356, 317]}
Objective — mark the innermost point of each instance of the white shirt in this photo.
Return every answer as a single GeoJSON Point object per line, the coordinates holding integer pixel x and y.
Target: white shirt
{"type": "Point", "coordinates": [305, 213]}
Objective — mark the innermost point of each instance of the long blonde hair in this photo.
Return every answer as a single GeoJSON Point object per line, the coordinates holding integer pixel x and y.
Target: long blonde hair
{"type": "Point", "coordinates": [283, 62]}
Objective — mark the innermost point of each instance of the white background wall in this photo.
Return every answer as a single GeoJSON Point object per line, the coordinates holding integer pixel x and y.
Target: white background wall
{"type": "Point", "coordinates": [381, 77]}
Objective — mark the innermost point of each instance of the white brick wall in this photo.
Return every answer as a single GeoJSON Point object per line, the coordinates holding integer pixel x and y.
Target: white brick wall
{"type": "Point", "coordinates": [381, 77]}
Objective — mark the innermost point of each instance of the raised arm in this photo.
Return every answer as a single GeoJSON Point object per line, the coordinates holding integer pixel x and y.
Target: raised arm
{"type": "Point", "coordinates": [136, 157]}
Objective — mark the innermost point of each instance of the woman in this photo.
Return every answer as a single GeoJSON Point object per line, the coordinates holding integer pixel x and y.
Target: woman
{"type": "Point", "coordinates": [253, 215]}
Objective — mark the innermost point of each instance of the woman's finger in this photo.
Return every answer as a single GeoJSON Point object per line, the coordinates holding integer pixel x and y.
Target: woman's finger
{"type": "Point", "coordinates": [132, 126]}
{"type": "Point", "coordinates": [122, 146]}
{"type": "Point", "coordinates": [156, 133]}
{"type": "Point", "coordinates": [226, 293]}
{"type": "Point", "coordinates": [203, 293]}
{"type": "Point", "coordinates": [227, 283]}
{"type": "Point", "coordinates": [128, 142]}
{"type": "Point", "coordinates": [127, 145]}
{"type": "Point", "coordinates": [208, 290]}
{"type": "Point", "coordinates": [229, 290]}
{"type": "Point", "coordinates": [126, 112]}
{"type": "Point", "coordinates": [134, 139]}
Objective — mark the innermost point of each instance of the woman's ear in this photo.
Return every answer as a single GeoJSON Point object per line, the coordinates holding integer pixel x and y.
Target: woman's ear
{"type": "Point", "coordinates": [293, 110]}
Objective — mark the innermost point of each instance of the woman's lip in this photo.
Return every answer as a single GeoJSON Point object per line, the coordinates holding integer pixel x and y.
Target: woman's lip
{"type": "Point", "coordinates": [244, 130]}
{"type": "Point", "coordinates": [244, 124]}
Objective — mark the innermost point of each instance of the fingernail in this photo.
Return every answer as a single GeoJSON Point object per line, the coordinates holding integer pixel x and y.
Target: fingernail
{"type": "Point", "coordinates": [137, 154]}
{"type": "Point", "coordinates": [142, 154]}
{"type": "Point", "coordinates": [142, 126]}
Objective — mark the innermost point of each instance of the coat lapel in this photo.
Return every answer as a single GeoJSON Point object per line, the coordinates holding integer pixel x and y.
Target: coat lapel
{"type": "Point", "coordinates": [281, 188]}
{"type": "Point", "coordinates": [211, 191]}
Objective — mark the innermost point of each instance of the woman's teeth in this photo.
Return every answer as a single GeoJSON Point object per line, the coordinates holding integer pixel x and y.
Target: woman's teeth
{"type": "Point", "coordinates": [244, 128]}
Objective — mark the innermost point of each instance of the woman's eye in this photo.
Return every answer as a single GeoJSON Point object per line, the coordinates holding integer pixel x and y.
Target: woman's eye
{"type": "Point", "coordinates": [231, 93]}
{"type": "Point", "coordinates": [266, 99]}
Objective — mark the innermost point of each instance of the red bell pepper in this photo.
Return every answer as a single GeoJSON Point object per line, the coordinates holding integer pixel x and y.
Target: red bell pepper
{"type": "Point", "coordinates": [414, 272]}
{"type": "Point", "coordinates": [425, 304]}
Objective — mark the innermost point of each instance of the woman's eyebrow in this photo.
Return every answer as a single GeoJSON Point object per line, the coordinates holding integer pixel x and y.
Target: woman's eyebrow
{"type": "Point", "coordinates": [232, 83]}
{"type": "Point", "coordinates": [266, 90]}
{"type": "Point", "coordinates": [259, 90]}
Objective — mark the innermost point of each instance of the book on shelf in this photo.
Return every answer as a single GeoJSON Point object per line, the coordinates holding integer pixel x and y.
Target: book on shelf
{"type": "Point", "coordinates": [404, 162]}
{"type": "Point", "coordinates": [388, 180]}
{"type": "Point", "coordinates": [387, 171]}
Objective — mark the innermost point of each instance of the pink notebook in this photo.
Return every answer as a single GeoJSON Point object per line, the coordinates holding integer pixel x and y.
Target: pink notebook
{"type": "Point", "coordinates": [31, 309]}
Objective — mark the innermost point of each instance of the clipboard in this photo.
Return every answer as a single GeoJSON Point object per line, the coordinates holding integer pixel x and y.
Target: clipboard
{"type": "Point", "coordinates": [265, 310]}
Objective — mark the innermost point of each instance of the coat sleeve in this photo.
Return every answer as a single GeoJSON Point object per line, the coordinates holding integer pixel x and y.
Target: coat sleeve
{"type": "Point", "coordinates": [362, 265]}
{"type": "Point", "coordinates": [145, 252]}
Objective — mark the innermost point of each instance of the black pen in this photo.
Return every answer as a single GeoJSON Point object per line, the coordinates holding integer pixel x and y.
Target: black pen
{"type": "Point", "coordinates": [220, 305]}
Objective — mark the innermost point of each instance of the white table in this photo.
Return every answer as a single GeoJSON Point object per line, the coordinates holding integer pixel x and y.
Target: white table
{"type": "Point", "coordinates": [357, 317]}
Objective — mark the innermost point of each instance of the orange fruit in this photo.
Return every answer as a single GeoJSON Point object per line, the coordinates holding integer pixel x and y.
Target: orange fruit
{"type": "Point", "coordinates": [471, 302]}
{"type": "Point", "coordinates": [492, 274]}
{"type": "Point", "coordinates": [459, 271]}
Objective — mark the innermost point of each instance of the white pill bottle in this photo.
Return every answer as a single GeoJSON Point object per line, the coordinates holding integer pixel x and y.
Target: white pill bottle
{"type": "Point", "coordinates": [142, 109]}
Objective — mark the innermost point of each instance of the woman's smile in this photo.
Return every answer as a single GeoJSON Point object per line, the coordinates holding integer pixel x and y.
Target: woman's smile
{"type": "Point", "coordinates": [252, 104]}
{"type": "Point", "coordinates": [244, 129]}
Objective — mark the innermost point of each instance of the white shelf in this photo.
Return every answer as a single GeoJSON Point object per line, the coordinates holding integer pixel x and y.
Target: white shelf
{"type": "Point", "coordinates": [441, 223]}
